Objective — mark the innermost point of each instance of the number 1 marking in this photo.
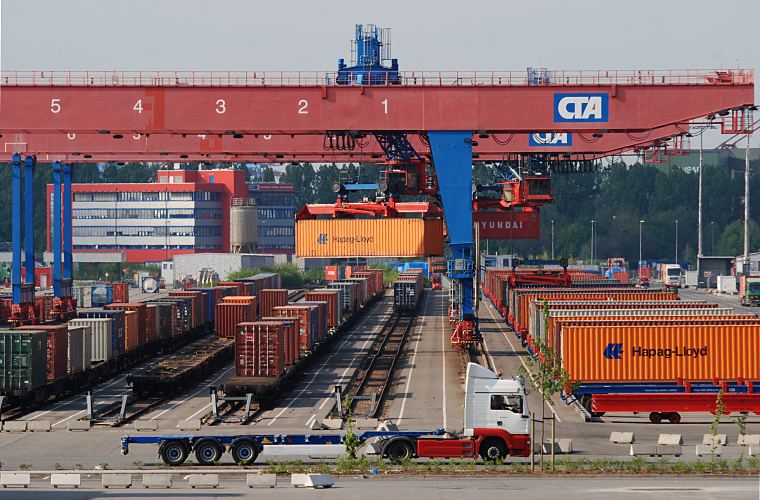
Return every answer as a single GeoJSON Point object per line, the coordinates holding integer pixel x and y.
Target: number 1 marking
{"type": "Point", "coordinates": [384, 102]}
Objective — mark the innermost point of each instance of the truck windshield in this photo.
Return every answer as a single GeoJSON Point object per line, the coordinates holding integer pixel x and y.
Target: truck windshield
{"type": "Point", "coordinates": [674, 272]}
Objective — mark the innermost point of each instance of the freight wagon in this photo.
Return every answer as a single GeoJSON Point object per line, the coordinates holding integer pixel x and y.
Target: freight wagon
{"type": "Point", "coordinates": [407, 292]}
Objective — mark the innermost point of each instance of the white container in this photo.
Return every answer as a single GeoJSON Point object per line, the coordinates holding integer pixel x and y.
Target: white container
{"type": "Point", "coordinates": [691, 279]}
{"type": "Point", "coordinates": [727, 284]}
{"type": "Point", "coordinates": [80, 349]}
{"type": "Point", "coordinates": [101, 336]}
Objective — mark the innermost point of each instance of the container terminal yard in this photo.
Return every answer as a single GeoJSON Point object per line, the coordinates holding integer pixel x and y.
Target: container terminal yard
{"type": "Point", "coordinates": [406, 346]}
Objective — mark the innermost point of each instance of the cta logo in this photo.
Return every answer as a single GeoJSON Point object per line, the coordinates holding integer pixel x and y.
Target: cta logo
{"type": "Point", "coordinates": [550, 139]}
{"type": "Point", "coordinates": [581, 107]}
{"type": "Point", "coordinates": [322, 239]}
{"type": "Point", "coordinates": [613, 351]}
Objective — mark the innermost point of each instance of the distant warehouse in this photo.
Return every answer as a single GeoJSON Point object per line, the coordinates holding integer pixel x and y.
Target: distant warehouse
{"type": "Point", "coordinates": [276, 204]}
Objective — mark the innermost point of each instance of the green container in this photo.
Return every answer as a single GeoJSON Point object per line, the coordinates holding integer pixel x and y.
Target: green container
{"type": "Point", "coordinates": [23, 360]}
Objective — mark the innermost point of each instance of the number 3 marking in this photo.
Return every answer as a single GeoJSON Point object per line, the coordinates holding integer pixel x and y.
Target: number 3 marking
{"type": "Point", "coordinates": [304, 105]}
{"type": "Point", "coordinates": [55, 105]}
{"type": "Point", "coordinates": [221, 106]}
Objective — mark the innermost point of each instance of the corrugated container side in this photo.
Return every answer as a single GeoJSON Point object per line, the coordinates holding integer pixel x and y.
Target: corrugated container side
{"type": "Point", "coordinates": [57, 349]}
{"type": "Point", "coordinates": [237, 285]}
{"type": "Point", "coordinates": [80, 349]}
{"type": "Point", "coordinates": [270, 298]}
{"type": "Point", "coordinates": [131, 331]}
{"type": "Point", "coordinates": [151, 323]}
{"type": "Point", "coordinates": [306, 323]}
{"type": "Point", "coordinates": [142, 321]}
{"type": "Point", "coordinates": [259, 349]}
{"type": "Point", "coordinates": [117, 326]}
{"type": "Point", "coordinates": [380, 237]}
{"type": "Point", "coordinates": [322, 315]}
{"type": "Point", "coordinates": [120, 292]}
{"type": "Point", "coordinates": [333, 304]}
{"type": "Point", "coordinates": [292, 341]}
{"type": "Point", "coordinates": [198, 311]}
{"type": "Point", "coordinates": [101, 330]}
{"type": "Point", "coordinates": [353, 294]}
{"type": "Point", "coordinates": [249, 300]}
{"type": "Point", "coordinates": [661, 354]}
{"type": "Point", "coordinates": [229, 315]}
{"type": "Point", "coordinates": [23, 360]}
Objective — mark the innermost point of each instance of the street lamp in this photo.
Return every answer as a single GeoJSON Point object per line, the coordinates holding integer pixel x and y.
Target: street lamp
{"type": "Point", "coordinates": [552, 239]}
{"type": "Point", "coordinates": [712, 237]}
{"type": "Point", "coordinates": [676, 240]}
{"type": "Point", "coordinates": [593, 241]}
{"type": "Point", "coordinates": [641, 224]}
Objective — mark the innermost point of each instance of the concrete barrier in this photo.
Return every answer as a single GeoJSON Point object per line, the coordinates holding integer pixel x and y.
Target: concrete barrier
{"type": "Point", "coordinates": [718, 439]}
{"type": "Point", "coordinates": [670, 439]}
{"type": "Point", "coordinates": [15, 479]}
{"type": "Point", "coordinates": [204, 480]}
{"type": "Point", "coordinates": [754, 451]}
{"type": "Point", "coordinates": [15, 426]}
{"type": "Point", "coordinates": [366, 423]}
{"type": "Point", "coordinates": [316, 424]}
{"type": "Point", "coordinates": [748, 440]}
{"type": "Point", "coordinates": [65, 479]}
{"type": "Point", "coordinates": [146, 425]}
{"type": "Point", "coordinates": [78, 425]}
{"type": "Point", "coordinates": [261, 480]}
{"type": "Point", "coordinates": [669, 449]}
{"type": "Point", "coordinates": [622, 437]}
{"type": "Point", "coordinates": [565, 445]}
{"type": "Point", "coordinates": [190, 425]}
{"type": "Point", "coordinates": [39, 425]}
{"type": "Point", "coordinates": [709, 449]}
{"type": "Point", "coordinates": [643, 449]}
{"type": "Point", "coordinates": [332, 423]}
{"type": "Point", "coordinates": [157, 480]}
{"type": "Point", "coordinates": [116, 480]}
{"type": "Point", "coordinates": [311, 480]}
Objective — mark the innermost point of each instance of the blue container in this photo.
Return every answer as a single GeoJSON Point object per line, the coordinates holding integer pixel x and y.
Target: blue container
{"type": "Point", "coordinates": [117, 325]}
{"type": "Point", "coordinates": [101, 295]}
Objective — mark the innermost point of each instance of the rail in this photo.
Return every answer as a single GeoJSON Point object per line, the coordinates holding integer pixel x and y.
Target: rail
{"type": "Point", "coordinates": [382, 364]}
{"type": "Point", "coordinates": [558, 78]}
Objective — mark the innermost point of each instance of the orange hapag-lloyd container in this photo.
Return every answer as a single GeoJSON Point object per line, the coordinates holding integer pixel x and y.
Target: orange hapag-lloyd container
{"type": "Point", "coordinates": [625, 354]}
{"type": "Point", "coordinates": [377, 237]}
{"type": "Point", "coordinates": [557, 324]}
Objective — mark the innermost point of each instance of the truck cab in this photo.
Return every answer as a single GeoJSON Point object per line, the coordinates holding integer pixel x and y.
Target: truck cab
{"type": "Point", "coordinates": [672, 275]}
{"type": "Point", "coordinates": [749, 290]}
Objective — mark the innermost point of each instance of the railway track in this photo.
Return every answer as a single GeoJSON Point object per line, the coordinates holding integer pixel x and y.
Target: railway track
{"type": "Point", "coordinates": [376, 376]}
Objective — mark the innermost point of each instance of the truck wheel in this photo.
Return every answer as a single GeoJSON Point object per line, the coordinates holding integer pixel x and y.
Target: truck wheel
{"type": "Point", "coordinates": [208, 451]}
{"type": "Point", "coordinates": [398, 450]}
{"type": "Point", "coordinates": [493, 450]}
{"type": "Point", "coordinates": [174, 453]}
{"type": "Point", "coordinates": [655, 417]}
{"type": "Point", "coordinates": [675, 418]}
{"type": "Point", "coordinates": [244, 452]}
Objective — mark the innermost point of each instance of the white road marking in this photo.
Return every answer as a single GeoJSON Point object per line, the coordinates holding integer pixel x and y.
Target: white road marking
{"type": "Point", "coordinates": [414, 359]}
{"type": "Point", "coordinates": [203, 387]}
{"type": "Point", "coordinates": [198, 412]}
{"type": "Point", "coordinates": [318, 372]}
{"type": "Point", "coordinates": [501, 329]}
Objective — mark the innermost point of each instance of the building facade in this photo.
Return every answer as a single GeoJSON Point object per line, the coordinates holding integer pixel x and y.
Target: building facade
{"type": "Point", "coordinates": [276, 206]}
{"type": "Point", "coordinates": [184, 211]}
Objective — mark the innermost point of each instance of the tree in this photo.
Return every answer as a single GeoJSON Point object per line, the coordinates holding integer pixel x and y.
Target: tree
{"type": "Point", "coordinates": [732, 238]}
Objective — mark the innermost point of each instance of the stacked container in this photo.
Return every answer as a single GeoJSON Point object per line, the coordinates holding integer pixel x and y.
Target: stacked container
{"type": "Point", "coordinates": [210, 299]}
{"type": "Point", "coordinates": [322, 308]}
{"type": "Point", "coordinates": [270, 298]}
{"type": "Point", "coordinates": [229, 315]}
{"type": "Point", "coordinates": [120, 292]}
{"type": "Point", "coordinates": [79, 349]}
{"type": "Point", "coordinates": [334, 309]}
{"type": "Point", "coordinates": [101, 337]}
{"type": "Point", "coordinates": [248, 300]}
{"type": "Point", "coordinates": [349, 295]}
{"type": "Point", "coordinates": [183, 313]}
{"type": "Point", "coordinates": [198, 315]}
{"type": "Point", "coordinates": [57, 349]}
{"type": "Point", "coordinates": [260, 349]}
{"type": "Point", "coordinates": [23, 360]}
{"type": "Point", "coordinates": [140, 309]}
{"type": "Point", "coordinates": [292, 341]}
{"type": "Point", "coordinates": [117, 327]}
{"type": "Point", "coordinates": [308, 320]}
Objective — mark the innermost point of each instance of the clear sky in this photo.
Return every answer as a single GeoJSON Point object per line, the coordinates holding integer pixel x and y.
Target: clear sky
{"type": "Point", "coordinates": [429, 35]}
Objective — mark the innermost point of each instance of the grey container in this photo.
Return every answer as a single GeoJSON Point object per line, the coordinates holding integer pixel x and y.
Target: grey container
{"type": "Point", "coordinates": [80, 349]}
{"type": "Point", "coordinates": [100, 340]}
{"type": "Point", "coordinates": [23, 360]}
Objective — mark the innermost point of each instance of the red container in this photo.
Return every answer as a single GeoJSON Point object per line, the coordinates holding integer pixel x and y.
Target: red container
{"type": "Point", "coordinates": [57, 349]}
{"type": "Point", "coordinates": [260, 349]}
{"type": "Point", "coordinates": [292, 342]}
{"type": "Point", "coordinates": [199, 306]}
{"type": "Point", "coordinates": [323, 313]}
{"type": "Point", "coordinates": [308, 318]}
{"type": "Point", "coordinates": [5, 309]}
{"type": "Point", "coordinates": [120, 292]}
{"type": "Point", "coordinates": [621, 276]}
{"type": "Point", "coordinates": [240, 286]}
{"type": "Point", "coordinates": [229, 315]}
{"type": "Point", "coordinates": [141, 308]}
{"type": "Point", "coordinates": [131, 331]}
{"type": "Point", "coordinates": [270, 298]}
{"type": "Point", "coordinates": [333, 273]}
{"type": "Point", "coordinates": [150, 324]}
{"type": "Point", "coordinates": [333, 307]}
{"type": "Point", "coordinates": [250, 300]}
{"type": "Point", "coordinates": [44, 305]}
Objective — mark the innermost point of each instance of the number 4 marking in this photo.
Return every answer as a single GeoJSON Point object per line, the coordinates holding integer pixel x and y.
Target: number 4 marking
{"type": "Point", "coordinates": [138, 106]}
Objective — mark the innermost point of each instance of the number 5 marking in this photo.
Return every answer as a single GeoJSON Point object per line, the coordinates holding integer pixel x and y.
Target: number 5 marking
{"type": "Point", "coordinates": [55, 105]}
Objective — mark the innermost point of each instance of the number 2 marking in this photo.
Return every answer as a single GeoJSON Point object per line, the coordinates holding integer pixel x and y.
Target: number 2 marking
{"type": "Point", "coordinates": [304, 105]}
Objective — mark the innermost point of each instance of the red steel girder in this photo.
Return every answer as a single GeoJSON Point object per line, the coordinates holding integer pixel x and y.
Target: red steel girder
{"type": "Point", "coordinates": [367, 208]}
{"type": "Point", "coordinates": [504, 107]}
{"type": "Point", "coordinates": [675, 402]}
{"type": "Point", "coordinates": [273, 148]}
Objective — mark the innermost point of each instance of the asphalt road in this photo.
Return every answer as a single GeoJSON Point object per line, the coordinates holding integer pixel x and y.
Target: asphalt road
{"type": "Point", "coordinates": [440, 488]}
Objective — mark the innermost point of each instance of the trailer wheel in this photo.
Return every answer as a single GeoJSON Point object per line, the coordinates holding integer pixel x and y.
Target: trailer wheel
{"type": "Point", "coordinates": [208, 451]}
{"type": "Point", "coordinates": [174, 452]}
{"type": "Point", "coordinates": [398, 450]}
{"type": "Point", "coordinates": [244, 451]}
{"type": "Point", "coordinates": [655, 417]}
{"type": "Point", "coordinates": [675, 418]}
{"type": "Point", "coordinates": [493, 450]}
